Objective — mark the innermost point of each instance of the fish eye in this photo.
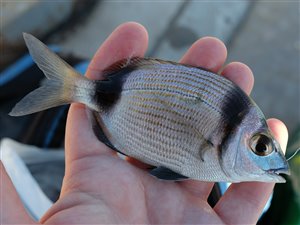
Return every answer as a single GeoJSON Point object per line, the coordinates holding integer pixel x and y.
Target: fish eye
{"type": "Point", "coordinates": [261, 144]}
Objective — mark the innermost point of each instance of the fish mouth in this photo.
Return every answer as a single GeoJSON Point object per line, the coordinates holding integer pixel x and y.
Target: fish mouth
{"type": "Point", "coordinates": [275, 174]}
{"type": "Point", "coordinates": [283, 170]}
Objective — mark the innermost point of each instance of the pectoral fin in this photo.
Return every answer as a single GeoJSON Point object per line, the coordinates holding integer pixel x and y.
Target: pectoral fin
{"type": "Point", "coordinates": [164, 173]}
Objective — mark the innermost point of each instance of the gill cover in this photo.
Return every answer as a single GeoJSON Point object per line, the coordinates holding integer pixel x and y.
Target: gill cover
{"type": "Point", "coordinates": [252, 153]}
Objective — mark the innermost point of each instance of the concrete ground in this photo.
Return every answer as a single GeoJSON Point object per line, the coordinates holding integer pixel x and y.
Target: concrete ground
{"type": "Point", "coordinates": [269, 42]}
{"type": "Point", "coordinates": [264, 34]}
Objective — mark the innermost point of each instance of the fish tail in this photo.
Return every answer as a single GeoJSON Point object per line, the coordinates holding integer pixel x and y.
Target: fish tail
{"type": "Point", "coordinates": [63, 84]}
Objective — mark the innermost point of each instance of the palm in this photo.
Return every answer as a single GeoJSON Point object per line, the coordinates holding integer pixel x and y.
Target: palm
{"type": "Point", "coordinates": [120, 193]}
{"type": "Point", "coordinates": [101, 188]}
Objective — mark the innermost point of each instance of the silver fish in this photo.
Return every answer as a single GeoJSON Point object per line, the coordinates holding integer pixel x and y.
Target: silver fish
{"type": "Point", "coordinates": [186, 121]}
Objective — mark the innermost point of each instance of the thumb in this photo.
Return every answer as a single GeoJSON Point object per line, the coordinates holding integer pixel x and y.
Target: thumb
{"type": "Point", "coordinates": [12, 210]}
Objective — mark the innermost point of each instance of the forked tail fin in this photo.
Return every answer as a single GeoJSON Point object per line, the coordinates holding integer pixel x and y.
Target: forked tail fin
{"type": "Point", "coordinates": [61, 86]}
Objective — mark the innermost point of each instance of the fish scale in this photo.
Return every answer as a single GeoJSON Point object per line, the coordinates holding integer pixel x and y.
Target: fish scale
{"type": "Point", "coordinates": [130, 117]}
{"type": "Point", "coordinates": [190, 120]}
{"type": "Point", "coordinates": [141, 80]}
{"type": "Point", "coordinates": [197, 82]}
{"type": "Point", "coordinates": [135, 79]}
{"type": "Point", "coordinates": [137, 138]}
{"type": "Point", "coordinates": [186, 75]}
{"type": "Point", "coordinates": [200, 77]}
{"type": "Point", "coordinates": [129, 125]}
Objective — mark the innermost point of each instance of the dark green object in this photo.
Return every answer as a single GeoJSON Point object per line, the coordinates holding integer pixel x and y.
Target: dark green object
{"type": "Point", "coordinates": [285, 206]}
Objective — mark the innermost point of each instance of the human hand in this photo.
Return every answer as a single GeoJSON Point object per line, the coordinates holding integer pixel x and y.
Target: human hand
{"type": "Point", "coordinates": [100, 188]}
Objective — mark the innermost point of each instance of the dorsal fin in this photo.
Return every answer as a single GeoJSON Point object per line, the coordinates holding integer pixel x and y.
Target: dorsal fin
{"type": "Point", "coordinates": [133, 63]}
{"type": "Point", "coordinates": [116, 67]}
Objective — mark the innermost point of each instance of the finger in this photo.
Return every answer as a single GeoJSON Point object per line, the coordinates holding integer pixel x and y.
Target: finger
{"type": "Point", "coordinates": [279, 131]}
{"type": "Point", "coordinates": [249, 197]}
{"type": "Point", "coordinates": [239, 74]}
{"type": "Point", "coordinates": [12, 210]}
{"type": "Point", "coordinates": [126, 41]}
{"type": "Point", "coordinates": [209, 53]}
{"type": "Point", "coordinates": [129, 39]}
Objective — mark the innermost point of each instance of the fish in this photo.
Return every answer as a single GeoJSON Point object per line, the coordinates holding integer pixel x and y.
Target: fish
{"type": "Point", "coordinates": [186, 122]}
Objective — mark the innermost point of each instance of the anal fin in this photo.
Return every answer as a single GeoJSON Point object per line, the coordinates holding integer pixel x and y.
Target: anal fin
{"type": "Point", "coordinates": [98, 131]}
{"type": "Point", "coordinates": [164, 173]}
